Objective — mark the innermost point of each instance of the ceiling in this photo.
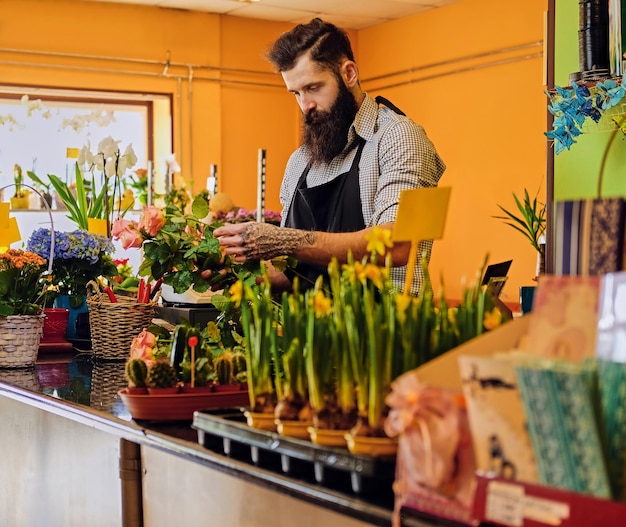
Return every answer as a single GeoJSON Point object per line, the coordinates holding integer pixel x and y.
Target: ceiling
{"type": "Point", "coordinates": [348, 14]}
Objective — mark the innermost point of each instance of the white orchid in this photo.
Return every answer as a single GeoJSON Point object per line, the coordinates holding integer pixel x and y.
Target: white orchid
{"type": "Point", "coordinates": [85, 156]}
{"type": "Point", "coordinates": [171, 164]}
{"type": "Point", "coordinates": [109, 148]}
{"type": "Point", "coordinates": [127, 160]}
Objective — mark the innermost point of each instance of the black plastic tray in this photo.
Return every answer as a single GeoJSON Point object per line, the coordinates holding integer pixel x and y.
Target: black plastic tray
{"type": "Point", "coordinates": [227, 430]}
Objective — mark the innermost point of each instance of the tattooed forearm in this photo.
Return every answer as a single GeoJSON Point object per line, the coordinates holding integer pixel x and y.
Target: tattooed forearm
{"type": "Point", "coordinates": [264, 241]}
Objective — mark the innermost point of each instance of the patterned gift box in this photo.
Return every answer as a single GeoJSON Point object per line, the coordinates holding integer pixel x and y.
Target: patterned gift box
{"type": "Point", "coordinates": [589, 236]}
{"type": "Point", "coordinates": [563, 424]}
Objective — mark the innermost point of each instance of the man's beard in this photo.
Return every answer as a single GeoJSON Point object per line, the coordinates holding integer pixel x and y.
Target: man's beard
{"type": "Point", "coordinates": [325, 134]}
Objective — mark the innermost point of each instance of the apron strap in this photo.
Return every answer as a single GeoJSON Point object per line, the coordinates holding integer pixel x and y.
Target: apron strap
{"type": "Point", "coordinates": [381, 100]}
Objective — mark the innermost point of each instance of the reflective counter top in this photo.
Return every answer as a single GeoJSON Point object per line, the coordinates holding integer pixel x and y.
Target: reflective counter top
{"type": "Point", "coordinates": [79, 387]}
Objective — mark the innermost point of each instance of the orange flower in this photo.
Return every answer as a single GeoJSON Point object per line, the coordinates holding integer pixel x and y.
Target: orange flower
{"type": "Point", "coordinates": [152, 220]}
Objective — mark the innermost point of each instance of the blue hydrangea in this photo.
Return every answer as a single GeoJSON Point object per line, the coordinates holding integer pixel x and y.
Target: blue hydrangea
{"type": "Point", "coordinates": [79, 244]}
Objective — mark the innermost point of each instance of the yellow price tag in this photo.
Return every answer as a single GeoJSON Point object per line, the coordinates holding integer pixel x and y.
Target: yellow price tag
{"type": "Point", "coordinates": [421, 216]}
{"type": "Point", "coordinates": [4, 215]}
{"type": "Point", "coordinates": [97, 226]}
{"type": "Point", "coordinates": [10, 234]}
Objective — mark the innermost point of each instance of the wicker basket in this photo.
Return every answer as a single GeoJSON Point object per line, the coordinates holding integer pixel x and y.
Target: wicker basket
{"type": "Point", "coordinates": [26, 378]}
{"type": "Point", "coordinates": [107, 379]}
{"type": "Point", "coordinates": [115, 325]}
{"type": "Point", "coordinates": [19, 340]}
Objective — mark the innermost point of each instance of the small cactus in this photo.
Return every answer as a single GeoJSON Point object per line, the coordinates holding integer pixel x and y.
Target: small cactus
{"type": "Point", "coordinates": [136, 373]}
{"type": "Point", "coordinates": [239, 363]}
{"type": "Point", "coordinates": [224, 368]}
{"type": "Point", "coordinates": [162, 375]}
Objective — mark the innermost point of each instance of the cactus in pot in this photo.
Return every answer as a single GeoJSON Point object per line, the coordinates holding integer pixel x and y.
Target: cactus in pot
{"type": "Point", "coordinates": [162, 375]}
{"type": "Point", "coordinates": [224, 368]}
{"type": "Point", "coordinates": [136, 372]}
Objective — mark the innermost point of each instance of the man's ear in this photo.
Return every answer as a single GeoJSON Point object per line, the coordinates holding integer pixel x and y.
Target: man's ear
{"type": "Point", "coordinates": [350, 73]}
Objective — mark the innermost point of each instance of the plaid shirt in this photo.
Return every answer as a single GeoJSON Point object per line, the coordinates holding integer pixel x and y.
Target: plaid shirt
{"type": "Point", "coordinates": [397, 155]}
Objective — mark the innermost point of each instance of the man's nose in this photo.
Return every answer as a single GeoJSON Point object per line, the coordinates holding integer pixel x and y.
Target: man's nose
{"type": "Point", "coordinates": [307, 104]}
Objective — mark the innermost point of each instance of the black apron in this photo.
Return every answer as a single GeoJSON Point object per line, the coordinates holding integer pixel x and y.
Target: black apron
{"type": "Point", "coordinates": [331, 207]}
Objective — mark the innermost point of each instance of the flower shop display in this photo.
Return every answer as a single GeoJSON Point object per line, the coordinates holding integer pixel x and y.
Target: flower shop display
{"type": "Point", "coordinates": [22, 297]}
{"type": "Point", "coordinates": [79, 257]}
{"type": "Point", "coordinates": [191, 363]}
{"type": "Point", "coordinates": [178, 246]}
{"type": "Point", "coordinates": [339, 348]}
{"type": "Point", "coordinates": [241, 215]}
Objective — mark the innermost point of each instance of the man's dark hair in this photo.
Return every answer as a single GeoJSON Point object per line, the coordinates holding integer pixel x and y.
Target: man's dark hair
{"type": "Point", "coordinates": [326, 44]}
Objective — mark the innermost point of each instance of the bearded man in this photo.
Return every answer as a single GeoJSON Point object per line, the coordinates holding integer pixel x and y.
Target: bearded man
{"type": "Point", "coordinates": [356, 157]}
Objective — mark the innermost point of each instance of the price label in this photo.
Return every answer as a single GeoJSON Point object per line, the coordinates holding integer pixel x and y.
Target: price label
{"type": "Point", "coordinates": [505, 503]}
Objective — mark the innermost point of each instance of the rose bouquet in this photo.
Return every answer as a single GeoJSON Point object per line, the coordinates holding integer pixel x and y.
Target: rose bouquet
{"type": "Point", "coordinates": [22, 284]}
{"type": "Point", "coordinates": [178, 247]}
{"type": "Point", "coordinates": [79, 257]}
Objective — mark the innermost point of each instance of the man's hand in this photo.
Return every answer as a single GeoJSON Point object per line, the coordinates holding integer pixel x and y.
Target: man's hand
{"type": "Point", "coordinates": [260, 241]}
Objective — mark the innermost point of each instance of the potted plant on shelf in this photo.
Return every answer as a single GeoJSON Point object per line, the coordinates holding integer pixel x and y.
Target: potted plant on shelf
{"type": "Point", "coordinates": [42, 187]}
{"type": "Point", "coordinates": [530, 221]}
{"type": "Point", "coordinates": [89, 207]}
{"type": "Point", "coordinates": [22, 296]}
{"type": "Point", "coordinates": [20, 198]}
{"type": "Point", "coordinates": [78, 258]}
{"type": "Point", "coordinates": [258, 316]}
{"type": "Point", "coordinates": [293, 410]}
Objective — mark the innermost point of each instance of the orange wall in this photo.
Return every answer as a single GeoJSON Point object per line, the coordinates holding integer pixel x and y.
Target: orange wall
{"type": "Point", "coordinates": [486, 114]}
{"type": "Point", "coordinates": [482, 104]}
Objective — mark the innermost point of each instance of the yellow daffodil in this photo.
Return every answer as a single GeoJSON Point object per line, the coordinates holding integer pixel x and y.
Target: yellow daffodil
{"type": "Point", "coordinates": [375, 274]}
{"type": "Point", "coordinates": [378, 240]}
{"type": "Point", "coordinates": [322, 305]}
{"type": "Point", "coordinates": [492, 319]}
{"type": "Point", "coordinates": [236, 292]}
{"type": "Point", "coordinates": [350, 272]}
{"type": "Point", "coordinates": [402, 303]}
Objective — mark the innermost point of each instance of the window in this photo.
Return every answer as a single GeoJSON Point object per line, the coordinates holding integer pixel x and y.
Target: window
{"type": "Point", "coordinates": [37, 127]}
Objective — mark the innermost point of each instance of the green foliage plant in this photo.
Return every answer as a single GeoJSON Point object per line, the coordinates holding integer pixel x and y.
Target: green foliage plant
{"type": "Point", "coordinates": [529, 219]}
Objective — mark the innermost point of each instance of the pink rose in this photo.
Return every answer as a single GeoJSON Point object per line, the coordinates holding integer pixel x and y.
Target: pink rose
{"type": "Point", "coordinates": [142, 346]}
{"type": "Point", "coordinates": [120, 225]}
{"type": "Point", "coordinates": [126, 231]}
{"type": "Point", "coordinates": [152, 220]}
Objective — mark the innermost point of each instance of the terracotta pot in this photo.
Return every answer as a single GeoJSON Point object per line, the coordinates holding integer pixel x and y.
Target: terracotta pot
{"type": "Point", "coordinates": [371, 446]}
{"type": "Point", "coordinates": [187, 388]}
{"type": "Point", "coordinates": [226, 387]}
{"type": "Point", "coordinates": [297, 429]}
{"type": "Point", "coordinates": [164, 391]}
{"type": "Point", "coordinates": [322, 436]}
{"type": "Point", "coordinates": [262, 421]}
